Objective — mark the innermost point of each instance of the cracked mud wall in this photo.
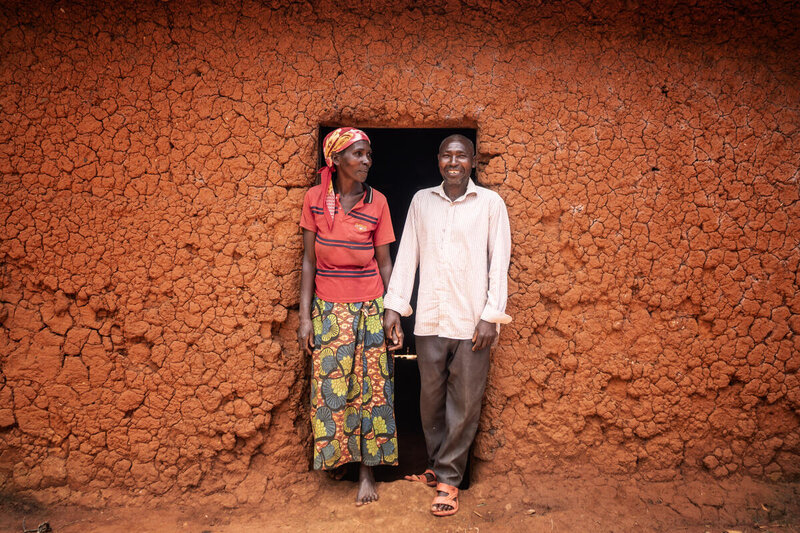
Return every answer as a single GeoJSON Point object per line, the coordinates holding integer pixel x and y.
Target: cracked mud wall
{"type": "Point", "coordinates": [154, 156]}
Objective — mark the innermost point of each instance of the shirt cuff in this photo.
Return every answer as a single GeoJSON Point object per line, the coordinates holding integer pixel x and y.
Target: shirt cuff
{"type": "Point", "coordinates": [494, 316]}
{"type": "Point", "coordinates": [390, 301]}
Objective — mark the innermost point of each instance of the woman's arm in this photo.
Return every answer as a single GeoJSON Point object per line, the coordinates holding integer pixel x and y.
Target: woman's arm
{"type": "Point", "coordinates": [395, 332]}
{"type": "Point", "coordinates": [305, 332]}
{"type": "Point", "coordinates": [384, 264]}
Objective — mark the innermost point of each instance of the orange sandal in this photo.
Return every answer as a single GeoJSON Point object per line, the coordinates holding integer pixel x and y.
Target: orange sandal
{"type": "Point", "coordinates": [450, 498]}
{"type": "Point", "coordinates": [423, 478]}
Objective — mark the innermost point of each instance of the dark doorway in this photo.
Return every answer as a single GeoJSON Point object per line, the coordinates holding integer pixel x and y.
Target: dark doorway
{"type": "Point", "coordinates": [404, 162]}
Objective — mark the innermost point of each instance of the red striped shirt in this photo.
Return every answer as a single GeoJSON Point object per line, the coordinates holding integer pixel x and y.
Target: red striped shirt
{"type": "Point", "coordinates": [347, 271]}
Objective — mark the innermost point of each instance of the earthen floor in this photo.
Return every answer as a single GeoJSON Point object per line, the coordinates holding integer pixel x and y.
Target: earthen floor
{"type": "Point", "coordinates": [549, 503]}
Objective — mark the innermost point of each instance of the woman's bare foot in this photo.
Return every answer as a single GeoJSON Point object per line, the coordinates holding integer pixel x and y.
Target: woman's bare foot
{"type": "Point", "coordinates": [367, 489]}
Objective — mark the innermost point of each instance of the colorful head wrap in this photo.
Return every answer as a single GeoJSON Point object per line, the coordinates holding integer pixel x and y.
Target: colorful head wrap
{"type": "Point", "coordinates": [335, 142]}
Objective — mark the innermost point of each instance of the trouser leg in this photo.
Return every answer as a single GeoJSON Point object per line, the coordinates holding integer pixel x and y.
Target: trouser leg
{"type": "Point", "coordinates": [467, 372]}
{"type": "Point", "coordinates": [432, 363]}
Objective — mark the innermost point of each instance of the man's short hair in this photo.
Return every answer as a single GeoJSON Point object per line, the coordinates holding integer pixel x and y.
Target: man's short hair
{"type": "Point", "coordinates": [458, 137]}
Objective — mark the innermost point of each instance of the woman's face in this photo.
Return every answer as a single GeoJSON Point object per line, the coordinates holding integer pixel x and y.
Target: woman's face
{"type": "Point", "coordinates": [353, 162]}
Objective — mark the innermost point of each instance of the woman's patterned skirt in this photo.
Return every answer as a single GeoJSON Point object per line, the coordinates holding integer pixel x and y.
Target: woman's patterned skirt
{"type": "Point", "coordinates": [352, 386]}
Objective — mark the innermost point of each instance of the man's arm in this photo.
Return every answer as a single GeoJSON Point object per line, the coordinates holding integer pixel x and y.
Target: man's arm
{"type": "Point", "coordinates": [401, 285]}
{"type": "Point", "coordinates": [398, 294]}
{"type": "Point", "coordinates": [499, 249]}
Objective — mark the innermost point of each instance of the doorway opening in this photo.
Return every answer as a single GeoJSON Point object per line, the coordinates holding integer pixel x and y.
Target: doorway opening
{"type": "Point", "coordinates": [404, 162]}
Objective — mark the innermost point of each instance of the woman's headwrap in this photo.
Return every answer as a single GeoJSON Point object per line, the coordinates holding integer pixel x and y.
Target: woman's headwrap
{"type": "Point", "coordinates": [335, 142]}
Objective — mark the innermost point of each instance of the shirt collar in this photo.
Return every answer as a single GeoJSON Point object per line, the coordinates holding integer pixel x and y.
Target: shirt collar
{"type": "Point", "coordinates": [471, 189]}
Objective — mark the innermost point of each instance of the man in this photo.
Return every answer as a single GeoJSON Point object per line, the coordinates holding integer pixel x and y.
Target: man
{"type": "Point", "coordinates": [458, 234]}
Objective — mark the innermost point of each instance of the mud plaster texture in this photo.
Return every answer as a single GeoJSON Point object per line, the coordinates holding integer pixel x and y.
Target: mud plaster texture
{"type": "Point", "coordinates": [154, 157]}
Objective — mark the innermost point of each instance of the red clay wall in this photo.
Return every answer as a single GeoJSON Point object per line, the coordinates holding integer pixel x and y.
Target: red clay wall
{"type": "Point", "coordinates": [154, 157]}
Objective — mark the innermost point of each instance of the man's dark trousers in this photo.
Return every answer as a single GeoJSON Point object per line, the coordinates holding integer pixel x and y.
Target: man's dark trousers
{"type": "Point", "coordinates": [452, 380]}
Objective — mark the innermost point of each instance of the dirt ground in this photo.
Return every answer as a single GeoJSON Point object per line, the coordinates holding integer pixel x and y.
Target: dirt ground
{"type": "Point", "coordinates": [547, 504]}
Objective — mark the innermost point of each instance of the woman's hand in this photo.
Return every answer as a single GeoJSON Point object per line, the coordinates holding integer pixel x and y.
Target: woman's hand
{"type": "Point", "coordinates": [305, 335]}
{"type": "Point", "coordinates": [392, 330]}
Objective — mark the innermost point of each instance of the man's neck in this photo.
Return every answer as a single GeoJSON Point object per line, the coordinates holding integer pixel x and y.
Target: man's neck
{"type": "Point", "coordinates": [455, 190]}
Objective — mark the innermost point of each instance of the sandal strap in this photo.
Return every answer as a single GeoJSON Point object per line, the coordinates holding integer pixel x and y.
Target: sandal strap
{"type": "Point", "coordinates": [449, 499]}
{"type": "Point", "coordinates": [423, 478]}
{"type": "Point", "coordinates": [450, 491]}
{"type": "Point", "coordinates": [446, 500]}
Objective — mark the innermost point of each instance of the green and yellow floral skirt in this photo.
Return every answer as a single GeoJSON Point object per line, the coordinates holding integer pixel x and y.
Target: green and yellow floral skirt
{"type": "Point", "coordinates": [352, 386]}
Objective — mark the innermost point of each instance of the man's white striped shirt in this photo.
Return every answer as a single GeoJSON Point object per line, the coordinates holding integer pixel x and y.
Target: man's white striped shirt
{"type": "Point", "coordinates": [462, 248]}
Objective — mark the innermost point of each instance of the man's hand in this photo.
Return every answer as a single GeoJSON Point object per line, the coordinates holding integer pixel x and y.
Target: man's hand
{"type": "Point", "coordinates": [484, 335]}
{"type": "Point", "coordinates": [305, 335]}
{"type": "Point", "coordinates": [393, 330]}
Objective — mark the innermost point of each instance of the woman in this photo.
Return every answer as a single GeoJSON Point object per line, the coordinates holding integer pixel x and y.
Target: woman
{"type": "Point", "coordinates": [346, 266]}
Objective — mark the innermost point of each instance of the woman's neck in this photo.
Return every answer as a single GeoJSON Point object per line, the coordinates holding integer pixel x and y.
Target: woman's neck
{"type": "Point", "coordinates": [347, 187]}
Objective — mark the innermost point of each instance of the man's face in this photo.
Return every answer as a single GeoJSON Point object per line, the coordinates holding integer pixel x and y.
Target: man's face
{"type": "Point", "coordinates": [456, 161]}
